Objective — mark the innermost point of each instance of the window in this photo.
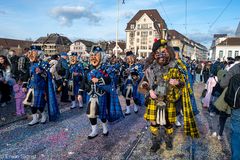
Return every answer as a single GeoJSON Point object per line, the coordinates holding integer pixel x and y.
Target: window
{"type": "Point", "coordinates": [149, 47]}
{"type": "Point", "coordinates": [131, 34]}
{"type": "Point", "coordinates": [144, 26]}
{"type": "Point", "coordinates": [132, 26]}
{"type": "Point", "coordinates": [220, 54]}
{"type": "Point", "coordinates": [150, 26]}
{"type": "Point", "coordinates": [143, 41]}
{"type": "Point", "coordinates": [138, 33]}
{"type": "Point", "coordinates": [229, 53]}
{"type": "Point", "coordinates": [144, 34]}
{"type": "Point", "coordinates": [137, 40]}
{"type": "Point", "coordinates": [138, 26]}
{"type": "Point", "coordinates": [143, 47]}
{"type": "Point", "coordinates": [236, 53]}
{"type": "Point", "coordinates": [150, 33]}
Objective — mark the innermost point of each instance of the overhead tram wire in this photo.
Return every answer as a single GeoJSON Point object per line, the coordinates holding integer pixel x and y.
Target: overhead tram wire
{"type": "Point", "coordinates": [204, 23]}
{"type": "Point", "coordinates": [165, 12]}
{"type": "Point", "coordinates": [221, 13]}
{"type": "Point", "coordinates": [186, 17]}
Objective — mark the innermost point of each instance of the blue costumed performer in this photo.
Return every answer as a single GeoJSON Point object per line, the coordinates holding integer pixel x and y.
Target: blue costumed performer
{"type": "Point", "coordinates": [40, 91]}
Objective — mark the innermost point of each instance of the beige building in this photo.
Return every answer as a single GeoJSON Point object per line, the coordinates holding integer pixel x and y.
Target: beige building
{"type": "Point", "coordinates": [81, 46]}
{"type": "Point", "coordinates": [141, 32]}
{"type": "Point", "coordinates": [53, 44]}
{"type": "Point", "coordinates": [186, 46]}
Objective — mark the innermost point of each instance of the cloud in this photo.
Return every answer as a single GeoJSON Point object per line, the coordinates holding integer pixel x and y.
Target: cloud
{"type": "Point", "coordinates": [66, 14]}
{"type": "Point", "coordinates": [127, 15]}
{"type": "Point", "coordinates": [225, 30]}
{"type": "Point", "coordinates": [206, 38]}
{"type": "Point", "coordinates": [203, 38]}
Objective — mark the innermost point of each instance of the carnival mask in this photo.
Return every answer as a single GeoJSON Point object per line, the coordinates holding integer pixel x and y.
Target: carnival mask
{"type": "Point", "coordinates": [1, 60]}
{"type": "Point", "coordinates": [95, 59]}
{"type": "Point", "coordinates": [33, 56]}
{"type": "Point", "coordinates": [130, 60]}
{"type": "Point", "coordinates": [73, 59]}
{"type": "Point", "coordinates": [162, 56]}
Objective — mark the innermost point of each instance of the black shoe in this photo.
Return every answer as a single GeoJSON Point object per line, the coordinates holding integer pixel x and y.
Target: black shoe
{"type": "Point", "coordinates": [136, 111]}
{"type": "Point", "coordinates": [91, 137]}
{"type": "Point", "coordinates": [106, 134]}
{"type": "Point", "coordinates": [127, 114]}
{"type": "Point", "coordinates": [155, 147]}
{"type": "Point", "coordinates": [169, 146]}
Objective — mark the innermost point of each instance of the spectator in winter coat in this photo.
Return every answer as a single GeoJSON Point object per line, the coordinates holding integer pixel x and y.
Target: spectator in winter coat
{"type": "Point", "coordinates": [5, 79]}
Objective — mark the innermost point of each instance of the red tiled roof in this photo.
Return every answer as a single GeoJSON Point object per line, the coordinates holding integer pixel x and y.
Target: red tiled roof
{"type": "Point", "coordinates": [152, 13]}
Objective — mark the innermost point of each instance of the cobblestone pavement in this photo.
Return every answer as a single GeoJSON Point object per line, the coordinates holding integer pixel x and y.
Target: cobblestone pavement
{"type": "Point", "coordinates": [67, 138]}
{"type": "Point", "coordinates": [128, 139]}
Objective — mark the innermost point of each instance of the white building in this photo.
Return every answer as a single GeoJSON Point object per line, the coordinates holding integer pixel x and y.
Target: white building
{"type": "Point", "coordinates": [81, 46]}
{"type": "Point", "coordinates": [141, 32]}
{"type": "Point", "coordinates": [229, 47]}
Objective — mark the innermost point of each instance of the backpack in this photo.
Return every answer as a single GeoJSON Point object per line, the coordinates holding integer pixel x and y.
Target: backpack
{"type": "Point", "coordinates": [60, 69]}
{"type": "Point", "coordinates": [217, 66]}
{"type": "Point", "coordinates": [232, 96]}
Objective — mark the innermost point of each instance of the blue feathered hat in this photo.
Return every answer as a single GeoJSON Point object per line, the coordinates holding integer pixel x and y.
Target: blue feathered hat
{"type": "Point", "coordinates": [129, 53]}
{"type": "Point", "coordinates": [97, 49]}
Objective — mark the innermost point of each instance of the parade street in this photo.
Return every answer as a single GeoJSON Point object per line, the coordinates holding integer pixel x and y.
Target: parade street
{"type": "Point", "coordinates": [127, 139]}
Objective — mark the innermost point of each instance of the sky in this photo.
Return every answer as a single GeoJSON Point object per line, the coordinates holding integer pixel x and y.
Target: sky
{"type": "Point", "coordinates": [96, 19]}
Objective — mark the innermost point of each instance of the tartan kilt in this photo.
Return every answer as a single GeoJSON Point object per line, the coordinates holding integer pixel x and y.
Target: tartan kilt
{"type": "Point", "coordinates": [151, 111]}
{"type": "Point", "coordinates": [115, 109]}
{"type": "Point", "coordinates": [76, 88]}
{"type": "Point", "coordinates": [39, 98]}
{"type": "Point", "coordinates": [102, 109]}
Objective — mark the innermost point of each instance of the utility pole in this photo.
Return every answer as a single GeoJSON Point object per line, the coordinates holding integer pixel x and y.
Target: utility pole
{"type": "Point", "coordinates": [117, 27]}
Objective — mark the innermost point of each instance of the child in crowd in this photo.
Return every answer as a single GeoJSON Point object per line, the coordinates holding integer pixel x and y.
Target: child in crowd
{"type": "Point", "coordinates": [20, 95]}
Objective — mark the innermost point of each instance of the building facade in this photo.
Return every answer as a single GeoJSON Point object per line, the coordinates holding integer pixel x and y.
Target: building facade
{"type": "Point", "coordinates": [187, 47]}
{"type": "Point", "coordinates": [116, 50]}
{"type": "Point", "coordinates": [53, 44]}
{"type": "Point", "coordinates": [229, 47]}
{"type": "Point", "coordinates": [13, 44]}
{"type": "Point", "coordinates": [148, 25]}
{"type": "Point", "coordinates": [81, 46]}
{"type": "Point", "coordinates": [141, 31]}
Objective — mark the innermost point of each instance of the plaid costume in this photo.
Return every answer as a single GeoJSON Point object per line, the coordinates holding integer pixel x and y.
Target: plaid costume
{"type": "Point", "coordinates": [190, 128]}
{"type": "Point", "coordinates": [173, 94]}
{"type": "Point", "coordinates": [108, 104]}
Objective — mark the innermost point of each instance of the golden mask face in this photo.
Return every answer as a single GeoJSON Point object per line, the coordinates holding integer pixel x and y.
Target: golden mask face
{"type": "Point", "coordinates": [95, 59]}
{"type": "Point", "coordinates": [73, 59]}
{"type": "Point", "coordinates": [33, 56]}
{"type": "Point", "coordinates": [130, 60]}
